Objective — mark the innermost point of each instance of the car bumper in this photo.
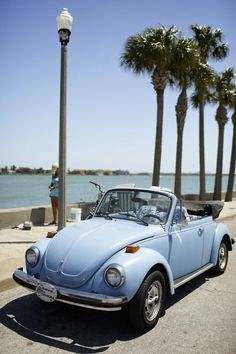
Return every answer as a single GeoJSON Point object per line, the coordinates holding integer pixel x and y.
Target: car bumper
{"type": "Point", "coordinates": [72, 296]}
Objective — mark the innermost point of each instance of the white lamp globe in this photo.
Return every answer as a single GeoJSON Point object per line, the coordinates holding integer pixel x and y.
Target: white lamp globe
{"type": "Point", "coordinates": [64, 21]}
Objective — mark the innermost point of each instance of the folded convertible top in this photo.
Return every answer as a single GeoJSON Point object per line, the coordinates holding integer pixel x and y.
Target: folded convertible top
{"type": "Point", "coordinates": [204, 208]}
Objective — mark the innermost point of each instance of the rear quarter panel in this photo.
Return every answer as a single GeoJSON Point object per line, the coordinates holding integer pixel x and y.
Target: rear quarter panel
{"type": "Point", "coordinates": [221, 231]}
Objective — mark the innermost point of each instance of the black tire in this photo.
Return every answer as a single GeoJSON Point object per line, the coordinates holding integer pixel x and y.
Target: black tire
{"type": "Point", "coordinates": [148, 305]}
{"type": "Point", "coordinates": [222, 259]}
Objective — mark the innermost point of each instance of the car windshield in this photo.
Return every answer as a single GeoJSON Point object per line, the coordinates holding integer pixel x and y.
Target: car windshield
{"type": "Point", "coordinates": [147, 207]}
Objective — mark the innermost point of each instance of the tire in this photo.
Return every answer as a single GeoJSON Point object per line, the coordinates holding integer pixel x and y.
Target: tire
{"type": "Point", "coordinates": [148, 305]}
{"type": "Point", "coordinates": [222, 259]}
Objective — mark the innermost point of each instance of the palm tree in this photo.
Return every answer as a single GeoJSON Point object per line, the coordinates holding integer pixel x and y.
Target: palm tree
{"type": "Point", "coordinates": [223, 86]}
{"type": "Point", "coordinates": [229, 192]}
{"type": "Point", "coordinates": [210, 46]}
{"type": "Point", "coordinates": [151, 52]}
{"type": "Point", "coordinates": [185, 58]}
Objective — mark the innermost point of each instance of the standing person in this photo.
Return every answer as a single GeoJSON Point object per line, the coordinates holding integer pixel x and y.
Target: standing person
{"type": "Point", "coordinates": [54, 191]}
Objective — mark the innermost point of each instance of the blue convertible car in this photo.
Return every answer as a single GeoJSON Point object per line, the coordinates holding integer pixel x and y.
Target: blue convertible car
{"type": "Point", "coordinates": [140, 245]}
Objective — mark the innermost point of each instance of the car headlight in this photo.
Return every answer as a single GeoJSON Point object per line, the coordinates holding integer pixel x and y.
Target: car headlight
{"type": "Point", "coordinates": [114, 276]}
{"type": "Point", "coordinates": [32, 256]}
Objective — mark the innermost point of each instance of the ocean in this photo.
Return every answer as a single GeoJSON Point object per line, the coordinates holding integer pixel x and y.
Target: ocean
{"type": "Point", "coordinates": [18, 191]}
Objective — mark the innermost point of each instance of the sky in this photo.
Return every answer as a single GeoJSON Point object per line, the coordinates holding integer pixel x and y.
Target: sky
{"type": "Point", "coordinates": [111, 112]}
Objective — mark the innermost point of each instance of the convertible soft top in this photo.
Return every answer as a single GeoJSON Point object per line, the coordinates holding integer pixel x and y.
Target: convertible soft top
{"type": "Point", "coordinates": [204, 208]}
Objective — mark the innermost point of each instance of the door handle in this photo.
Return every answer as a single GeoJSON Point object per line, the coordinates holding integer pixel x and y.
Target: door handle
{"type": "Point", "coordinates": [200, 231]}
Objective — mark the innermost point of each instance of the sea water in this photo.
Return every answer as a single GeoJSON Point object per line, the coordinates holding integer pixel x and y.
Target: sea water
{"type": "Point", "coordinates": [32, 190]}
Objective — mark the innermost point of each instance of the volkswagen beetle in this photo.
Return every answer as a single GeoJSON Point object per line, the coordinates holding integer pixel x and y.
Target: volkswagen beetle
{"type": "Point", "coordinates": [140, 245]}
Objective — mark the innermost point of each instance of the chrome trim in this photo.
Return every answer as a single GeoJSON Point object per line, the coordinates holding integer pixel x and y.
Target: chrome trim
{"type": "Point", "coordinates": [74, 297]}
{"type": "Point", "coordinates": [108, 309]}
{"type": "Point", "coordinates": [120, 269]}
{"type": "Point", "coordinates": [37, 254]}
{"type": "Point", "coordinates": [180, 281]}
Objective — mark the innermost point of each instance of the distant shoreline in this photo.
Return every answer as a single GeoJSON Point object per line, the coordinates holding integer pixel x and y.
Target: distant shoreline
{"type": "Point", "coordinates": [14, 170]}
{"type": "Point", "coordinates": [111, 174]}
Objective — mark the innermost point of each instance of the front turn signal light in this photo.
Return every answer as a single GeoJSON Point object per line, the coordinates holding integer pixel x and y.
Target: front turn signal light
{"type": "Point", "coordinates": [51, 234]}
{"type": "Point", "coordinates": [132, 249]}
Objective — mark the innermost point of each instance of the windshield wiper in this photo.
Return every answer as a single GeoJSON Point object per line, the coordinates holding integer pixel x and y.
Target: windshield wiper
{"type": "Point", "coordinates": [134, 216]}
{"type": "Point", "coordinates": [104, 215]}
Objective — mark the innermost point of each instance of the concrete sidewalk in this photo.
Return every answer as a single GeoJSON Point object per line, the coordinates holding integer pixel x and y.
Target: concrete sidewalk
{"type": "Point", "coordinates": [14, 243]}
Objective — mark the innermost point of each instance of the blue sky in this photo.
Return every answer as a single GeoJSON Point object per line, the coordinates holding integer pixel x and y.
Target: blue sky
{"type": "Point", "coordinates": [111, 115]}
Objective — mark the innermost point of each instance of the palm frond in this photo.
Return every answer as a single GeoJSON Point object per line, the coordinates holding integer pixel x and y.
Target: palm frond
{"type": "Point", "coordinates": [224, 86]}
{"type": "Point", "coordinates": [149, 50]}
{"type": "Point", "coordinates": [210, 42]}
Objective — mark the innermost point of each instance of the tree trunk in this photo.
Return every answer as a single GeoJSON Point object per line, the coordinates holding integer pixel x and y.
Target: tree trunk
{"type": "Point", "coordinates": [178, 164]}
{"type": "Point", "coordinates": [230, 186]}
{"type": "Point", "coordinates": [158, 142]}
{"type": "Point", "coordinates": [202, 194]}
{"type": "Point", "coordinates": [181, 110]}
{"type": "Point", "coordinates": [221, 118]}
{"type": "Point", "coordinates": [219, 164]}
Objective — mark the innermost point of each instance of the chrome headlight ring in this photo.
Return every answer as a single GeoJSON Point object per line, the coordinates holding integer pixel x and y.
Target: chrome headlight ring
{"type": "Point", "coordinates": [114, 276]}
{"type": "Point", "coordinates": [32, 256]}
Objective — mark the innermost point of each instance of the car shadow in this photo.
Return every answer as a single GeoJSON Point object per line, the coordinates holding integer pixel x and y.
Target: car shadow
{"type": "Point", "coordinates": [65, 327]}
{"type": "Point", "coordinates": [76, 329]}
{"type": "Point", "coordinates": [186, 289]}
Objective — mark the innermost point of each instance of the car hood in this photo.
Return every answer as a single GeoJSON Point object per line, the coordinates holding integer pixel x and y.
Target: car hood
{"type": "Point", "coordinates": [77, 252]}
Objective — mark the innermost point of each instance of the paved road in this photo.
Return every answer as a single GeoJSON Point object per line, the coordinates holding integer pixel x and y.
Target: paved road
{"type": "Point", "coordinates": [200, 318]}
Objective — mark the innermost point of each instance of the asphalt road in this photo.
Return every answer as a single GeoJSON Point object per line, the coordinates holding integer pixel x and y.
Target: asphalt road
{"type": "Point", "coordinates": [200, 318]}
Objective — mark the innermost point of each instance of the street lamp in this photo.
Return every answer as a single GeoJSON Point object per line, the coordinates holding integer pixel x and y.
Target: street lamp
{"type": "Point", "coordinates": [64, 26]}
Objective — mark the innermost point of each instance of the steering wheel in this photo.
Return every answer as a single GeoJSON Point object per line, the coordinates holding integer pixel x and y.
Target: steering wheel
{"type": "Point", "coordinates": [153, 216]}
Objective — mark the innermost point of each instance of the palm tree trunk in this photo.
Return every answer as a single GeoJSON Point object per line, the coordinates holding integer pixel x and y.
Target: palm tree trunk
{"type": "Point", "coordinates": [219, 165]}
{"type": "Point", "coordinates": [181, 110]}
{"type": "Point", "coordinates": [158, 142]}
{"type": "Point", "coordinates": [229, 193]}
{"type": "Point", "coordinates": [202, 194]}
{"type": "Point", "coordinates": [178, 164]}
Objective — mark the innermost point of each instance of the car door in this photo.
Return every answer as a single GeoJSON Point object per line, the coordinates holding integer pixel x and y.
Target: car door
{"type": "Point", "coordinates": [186, 241]}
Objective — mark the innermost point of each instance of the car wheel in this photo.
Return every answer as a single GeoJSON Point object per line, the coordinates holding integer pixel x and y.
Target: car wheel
{"type": "Point", "coordinates": [149, 303]}
{"type": "Point", "coordinates": [222, 259]}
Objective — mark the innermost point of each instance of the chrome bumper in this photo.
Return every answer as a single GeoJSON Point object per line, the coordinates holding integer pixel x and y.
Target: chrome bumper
{"type": "Point", "coordinates": [72, 296]}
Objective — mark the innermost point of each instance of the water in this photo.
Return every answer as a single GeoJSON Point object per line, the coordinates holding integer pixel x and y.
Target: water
{"type": "Point", "coordinates": [32, 190]}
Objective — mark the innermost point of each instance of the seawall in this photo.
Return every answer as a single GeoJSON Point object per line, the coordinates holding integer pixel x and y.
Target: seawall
{"type": "Point", "coordinates": [38, 215]}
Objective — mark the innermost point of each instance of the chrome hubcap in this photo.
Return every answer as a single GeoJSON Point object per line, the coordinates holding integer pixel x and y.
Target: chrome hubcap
{"type": "Point", "coordinates": [222, 256]}
{"type": "Point", "coordinates": [153, 300]}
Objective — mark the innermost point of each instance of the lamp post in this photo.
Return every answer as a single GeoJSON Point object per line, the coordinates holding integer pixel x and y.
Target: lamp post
{"type": "Point", "coordinates": [64, 26]}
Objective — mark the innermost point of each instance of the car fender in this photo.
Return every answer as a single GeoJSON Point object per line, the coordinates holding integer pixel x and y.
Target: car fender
{"type": "Point", "coordinates": [220, 232]}
{"type": "Point", "coordinates": [136, 266]}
